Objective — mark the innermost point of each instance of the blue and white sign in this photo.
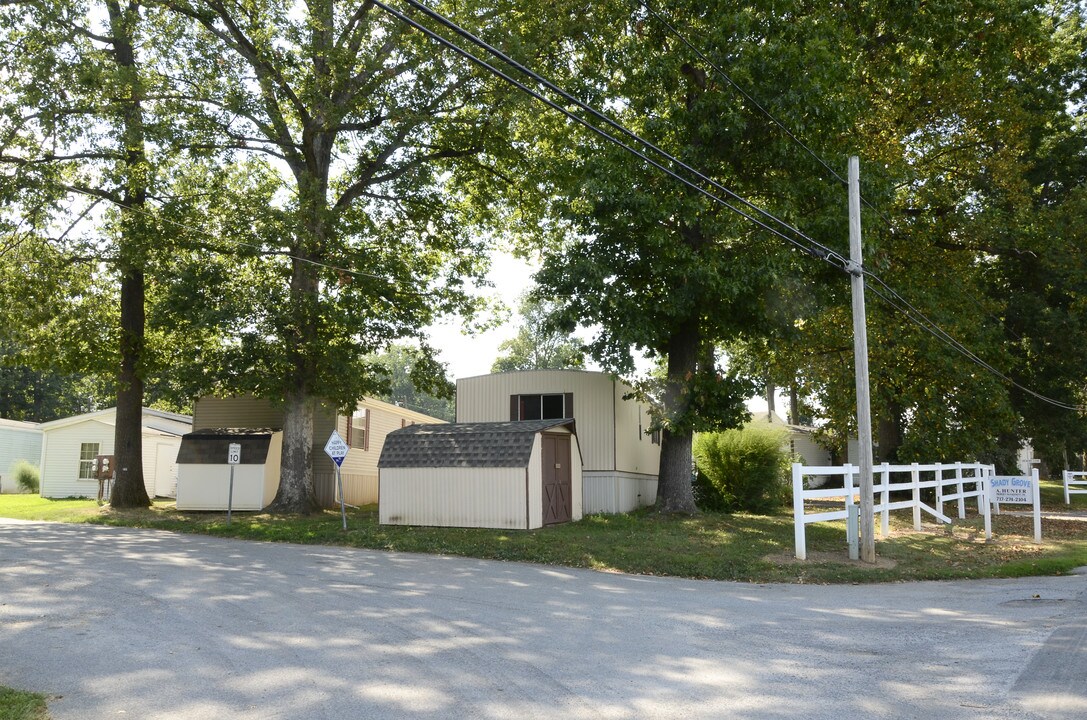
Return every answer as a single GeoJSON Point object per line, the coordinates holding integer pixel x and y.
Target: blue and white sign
{"type": "Point", "coordinates": [336, 448]}
{"type": "Point", "coordinates": [1016, 490]}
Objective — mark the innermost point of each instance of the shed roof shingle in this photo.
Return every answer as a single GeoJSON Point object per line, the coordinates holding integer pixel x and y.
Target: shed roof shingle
{"type": "Point", "coordinates": [487, 444]}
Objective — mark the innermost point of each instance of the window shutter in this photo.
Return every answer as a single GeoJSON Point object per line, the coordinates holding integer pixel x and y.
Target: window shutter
{"type": "Point", "coordinates": [568, 405]}
{"type": "Point", "coordinates": [366, 437]}
{"type": "Point", "coordinates": [349, 423]}
{"type": "Point", "coordinates": [515, 407]}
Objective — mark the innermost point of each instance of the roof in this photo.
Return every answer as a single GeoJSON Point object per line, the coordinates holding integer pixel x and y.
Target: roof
{"type": "Point", "coordinates": [106, 416]}
{"type": "Point", "coordinates": [18, 425]}
{"type": "Point", "coordinates": [486, 444]}
{"type": "Point", "coordinates": [210, 446]}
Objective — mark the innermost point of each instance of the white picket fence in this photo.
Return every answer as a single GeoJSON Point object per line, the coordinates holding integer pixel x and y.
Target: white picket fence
{"type": "Point", "coordinates": [956, 482]}
{"type": "Point", "coordinates": [1074, 486]}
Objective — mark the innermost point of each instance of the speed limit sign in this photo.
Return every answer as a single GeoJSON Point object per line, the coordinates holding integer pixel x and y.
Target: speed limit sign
{"type": "Point", "coordinates": [233, 454]}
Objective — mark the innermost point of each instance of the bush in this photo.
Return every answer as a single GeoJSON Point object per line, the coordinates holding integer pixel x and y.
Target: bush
{"type": "Point", "coordinates": [26, 476]}
{"type": "Point", "coordinates": [744, 469]}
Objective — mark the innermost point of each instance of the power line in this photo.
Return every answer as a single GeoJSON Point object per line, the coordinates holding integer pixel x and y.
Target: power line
{"type": "Point", "coordinates": [820, 251]}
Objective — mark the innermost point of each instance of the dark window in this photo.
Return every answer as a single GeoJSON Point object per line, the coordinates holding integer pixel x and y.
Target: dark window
{"type": "Point", "coordinates": [543, 407]}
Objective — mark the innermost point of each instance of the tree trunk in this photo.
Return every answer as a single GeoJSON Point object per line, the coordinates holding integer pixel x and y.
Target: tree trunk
{"type": "Point", "coordinates": [128, 489]}
{"type": "Point", "coordinates": [674, 491]}
{"type": "Point", "coordinates": [295, 493]}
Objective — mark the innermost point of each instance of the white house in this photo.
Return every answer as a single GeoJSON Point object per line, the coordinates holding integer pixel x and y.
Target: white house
{"type": "Point", "coordinates": [621, 460]}
{"type": "Point", "coordinates": [70, 445]}
{"type": "Point", "coordinates": [18, 441]}
{"type": "Point", "coordinates": [364, 430]}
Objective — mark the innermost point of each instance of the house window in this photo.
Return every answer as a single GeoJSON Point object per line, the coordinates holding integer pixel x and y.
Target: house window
{"type": "Point", "coordinates": [87, 453]}
{"type": "Point", "coordinates": [655, 437]}
{"type": "Point", "coordinates": [554, 406]}
{"type": "Point", "coordinates": [358, 429]}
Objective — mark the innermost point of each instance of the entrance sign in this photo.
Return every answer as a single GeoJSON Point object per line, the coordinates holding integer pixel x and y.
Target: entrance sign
{"type": "Point", "coordinates": [336, 449]}
{"type": "Point", "coordinates": [1018, 490]}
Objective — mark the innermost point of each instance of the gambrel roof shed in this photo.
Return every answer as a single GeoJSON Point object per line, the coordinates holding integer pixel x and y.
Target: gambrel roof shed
{"type": "Point", "coordinates": [484, 444]}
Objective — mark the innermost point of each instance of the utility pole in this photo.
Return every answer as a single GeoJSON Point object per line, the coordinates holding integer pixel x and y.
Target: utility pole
{"type": "Point", "coordinates": [860, 357]}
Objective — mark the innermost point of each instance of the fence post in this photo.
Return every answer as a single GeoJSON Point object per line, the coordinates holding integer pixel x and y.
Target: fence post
{"type": "Point", "coordinates": [1037, 507]}
{"type": "Point", "coordinates": [885, 497]}
{"type": "Point", "coordinates": [940, 488]}
{"type": "Point", "coordinates": [958, 489]}
{"type": "Point", "coordinates": [798, 512]}
{"type": "Point", "coordinates": [1067, 476]}
{"type": "Point", "coordinates": [915, 487]}
{"type": "Point", "coordinates": [986, 473]}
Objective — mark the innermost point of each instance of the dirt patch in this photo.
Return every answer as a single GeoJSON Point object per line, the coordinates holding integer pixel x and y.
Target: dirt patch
{"type": "Point", "coordinates": [827, 558]}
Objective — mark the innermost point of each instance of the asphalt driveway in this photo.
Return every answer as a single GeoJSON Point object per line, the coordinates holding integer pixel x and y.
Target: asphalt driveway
{"type": "Point", "coordinates": [124, 623]}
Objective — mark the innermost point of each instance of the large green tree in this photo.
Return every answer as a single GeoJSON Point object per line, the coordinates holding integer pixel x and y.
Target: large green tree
{"type": "Point", "coordinates": [370, 130]}
{"type": "Point", "coordinates": [538, 344]}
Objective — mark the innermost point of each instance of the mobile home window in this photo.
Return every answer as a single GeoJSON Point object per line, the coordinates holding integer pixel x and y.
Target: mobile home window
{"type": "Point", "coordinates": [87, 453]}
{"type": "Point", "coordinates": [358, 431]}
{"type": "Point", "coordinates": [553, 406]}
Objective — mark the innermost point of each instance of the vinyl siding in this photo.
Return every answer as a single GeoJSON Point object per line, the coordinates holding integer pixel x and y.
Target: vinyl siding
{"type": "Point", "coordinates": [635, 451]}
{"type": "Point", "coordinates": [617, 492]}
{"type": "Point", "coordinates": [17, 443]}
{"type": "Point", "coordinates": [486, 398]}
{"type": "Point", "coordinates": [60, 458]}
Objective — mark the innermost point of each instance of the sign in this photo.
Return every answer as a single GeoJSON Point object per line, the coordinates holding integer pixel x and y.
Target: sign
{"type": "Point", "coordinates": [336, 448]}
{"type": "Point", "coordinates": [234, 454]}
{"type": "Point", "coordinates": [1011, 489]}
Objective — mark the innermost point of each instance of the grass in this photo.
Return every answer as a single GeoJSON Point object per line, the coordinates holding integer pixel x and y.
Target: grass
{"type": "Point", "coordinates": [20, 705]}
{"type": "Point", "coordinates": [746, 547]}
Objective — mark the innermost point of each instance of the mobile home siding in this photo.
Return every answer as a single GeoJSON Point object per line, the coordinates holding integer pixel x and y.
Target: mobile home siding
{"type": "Point", "coordinates": [18, 441]}
{"type": "Point", "coordinates": [486, 398]}
{"type": "Point", "coordinates": [60, 458]}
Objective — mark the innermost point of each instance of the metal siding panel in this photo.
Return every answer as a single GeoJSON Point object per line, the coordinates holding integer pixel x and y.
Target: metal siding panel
{"type": "Point", "coordinates": [634, 451]}
{"type": "Point", "coordinates": [242, 411]}
{"type": "Point", "coordinates": [453, 497]}
{"type": "Point", "coordinates": [617, 492]}
{"type": "Point", "coordinates": [16, 445]}
{"type": "Point", "coordinates": [535, 483]}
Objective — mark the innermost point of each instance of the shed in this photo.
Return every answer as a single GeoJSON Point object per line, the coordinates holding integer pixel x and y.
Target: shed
{"type": "Point", "coordinates": [520, 475]}
{"type": "Point", "coordinates": [203, 473]}
{"type": "Point", "coordinates": [622, 458]}
{"type": "Point", "coordinates": [70, 445]}
{"type": "Point", "coordinates": [364, 429]}
{"type": "Point", "coordinates": [18, 441]}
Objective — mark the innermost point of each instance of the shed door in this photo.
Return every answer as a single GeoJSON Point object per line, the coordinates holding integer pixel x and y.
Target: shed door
{"type": "Point", "coordinates": [556, 479]}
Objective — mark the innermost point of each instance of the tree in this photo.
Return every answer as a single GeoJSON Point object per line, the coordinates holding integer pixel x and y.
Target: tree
{"type": "Point", "coordinates": [415, 383]}
{"type": "Point", "coordinates": [539, 345]}
{"type": "Point", "coordinates": [374, 130]}
{"type": "Point", "coordinates": [82, 150]}
{"type": "Point", "coordinates": [652, 263]}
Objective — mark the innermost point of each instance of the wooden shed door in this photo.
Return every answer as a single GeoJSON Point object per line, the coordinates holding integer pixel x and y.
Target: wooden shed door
{"type": "Point", "coordinates": [556, 479]}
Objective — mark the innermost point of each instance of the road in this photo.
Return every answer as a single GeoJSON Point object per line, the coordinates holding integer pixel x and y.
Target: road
{"type": "Point", "coordinates": [126, 623]}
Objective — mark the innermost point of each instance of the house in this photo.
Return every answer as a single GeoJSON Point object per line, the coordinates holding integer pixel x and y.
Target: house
{"type": "Point", "coordinates": [19, 441]}
{"type": "Point", "coordinates": [517, 475]}
{"type": "Point", "coordinates": [364, 431]}
{"type": "Point", "coordinates": [70, 446]}
{"type": "Point", "coordinates": [799, 439]}
{"type": "Point", "coordinates": [621, 459]}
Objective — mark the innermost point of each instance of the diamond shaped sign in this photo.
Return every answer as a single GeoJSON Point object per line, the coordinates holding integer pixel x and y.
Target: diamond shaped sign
{"type": "Point", "coordinates": [336, 448]}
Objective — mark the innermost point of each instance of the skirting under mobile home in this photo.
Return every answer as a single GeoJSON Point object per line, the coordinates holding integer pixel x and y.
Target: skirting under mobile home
{"type": "Point", "coordinates": [516, 475]}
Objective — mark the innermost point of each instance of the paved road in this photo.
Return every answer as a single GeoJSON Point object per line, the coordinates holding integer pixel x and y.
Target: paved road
{"type": "Point", "coordinates": [125, 623]}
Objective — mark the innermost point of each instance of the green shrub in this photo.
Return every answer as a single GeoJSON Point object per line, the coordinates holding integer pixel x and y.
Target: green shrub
{"type": "Point", "coordinates": [744, 469]}
{"type": "Point", "coordinates": [26, 476]}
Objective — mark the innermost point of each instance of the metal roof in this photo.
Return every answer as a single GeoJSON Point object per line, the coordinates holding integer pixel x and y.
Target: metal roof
{"type": "Point", "coordinates": [485, 444]}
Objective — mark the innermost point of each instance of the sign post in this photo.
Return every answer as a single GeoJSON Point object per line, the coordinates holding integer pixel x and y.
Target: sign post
{"type": "Point", "coordinates": [233, 457]}
{"type": "Point", "coordinates": [1018, 490]}
{"type": "Point", "coordinates": [336, 449]}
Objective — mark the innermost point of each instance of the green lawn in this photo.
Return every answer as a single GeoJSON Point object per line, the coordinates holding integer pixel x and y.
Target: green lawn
{"type": "Point", "coordinates": [754, 548]}
{"type": "Point", "coordinates": [19, 705]}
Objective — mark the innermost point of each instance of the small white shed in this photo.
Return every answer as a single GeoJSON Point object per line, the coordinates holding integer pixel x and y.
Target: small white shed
{"type": "Point", "coordinates": [70, 445]}
{"type": "Point", "coordinates": [203, 481]}
{"type": "Point", "coordinates": [518, 475]}
{"type": "Point", "coordinates": [18, 441]}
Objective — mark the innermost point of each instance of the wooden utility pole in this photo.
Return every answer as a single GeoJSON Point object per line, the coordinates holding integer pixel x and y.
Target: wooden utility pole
{"type": "Point", "coordinates": [860, 356]}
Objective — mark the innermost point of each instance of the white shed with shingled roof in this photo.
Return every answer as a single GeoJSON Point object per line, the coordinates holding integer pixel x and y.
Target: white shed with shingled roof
{"type": "Point", "coordinates": [517, 475]}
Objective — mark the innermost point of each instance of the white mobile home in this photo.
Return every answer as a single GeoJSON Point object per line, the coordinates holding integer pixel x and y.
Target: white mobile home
{"type": "Point", "coordinates": [18, 441]}
{"type": "Point", "coordinates": [621, 460]}
{"type": "Point", "coordinates": [518, 475]}
{"type": "Point", "coordinates": [364, 430]}
{"type": "Point", "coordinates": [70, 445]}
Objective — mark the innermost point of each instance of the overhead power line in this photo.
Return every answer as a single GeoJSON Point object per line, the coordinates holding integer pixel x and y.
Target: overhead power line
{"type": "Point", "coordinates": [809, 245]}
